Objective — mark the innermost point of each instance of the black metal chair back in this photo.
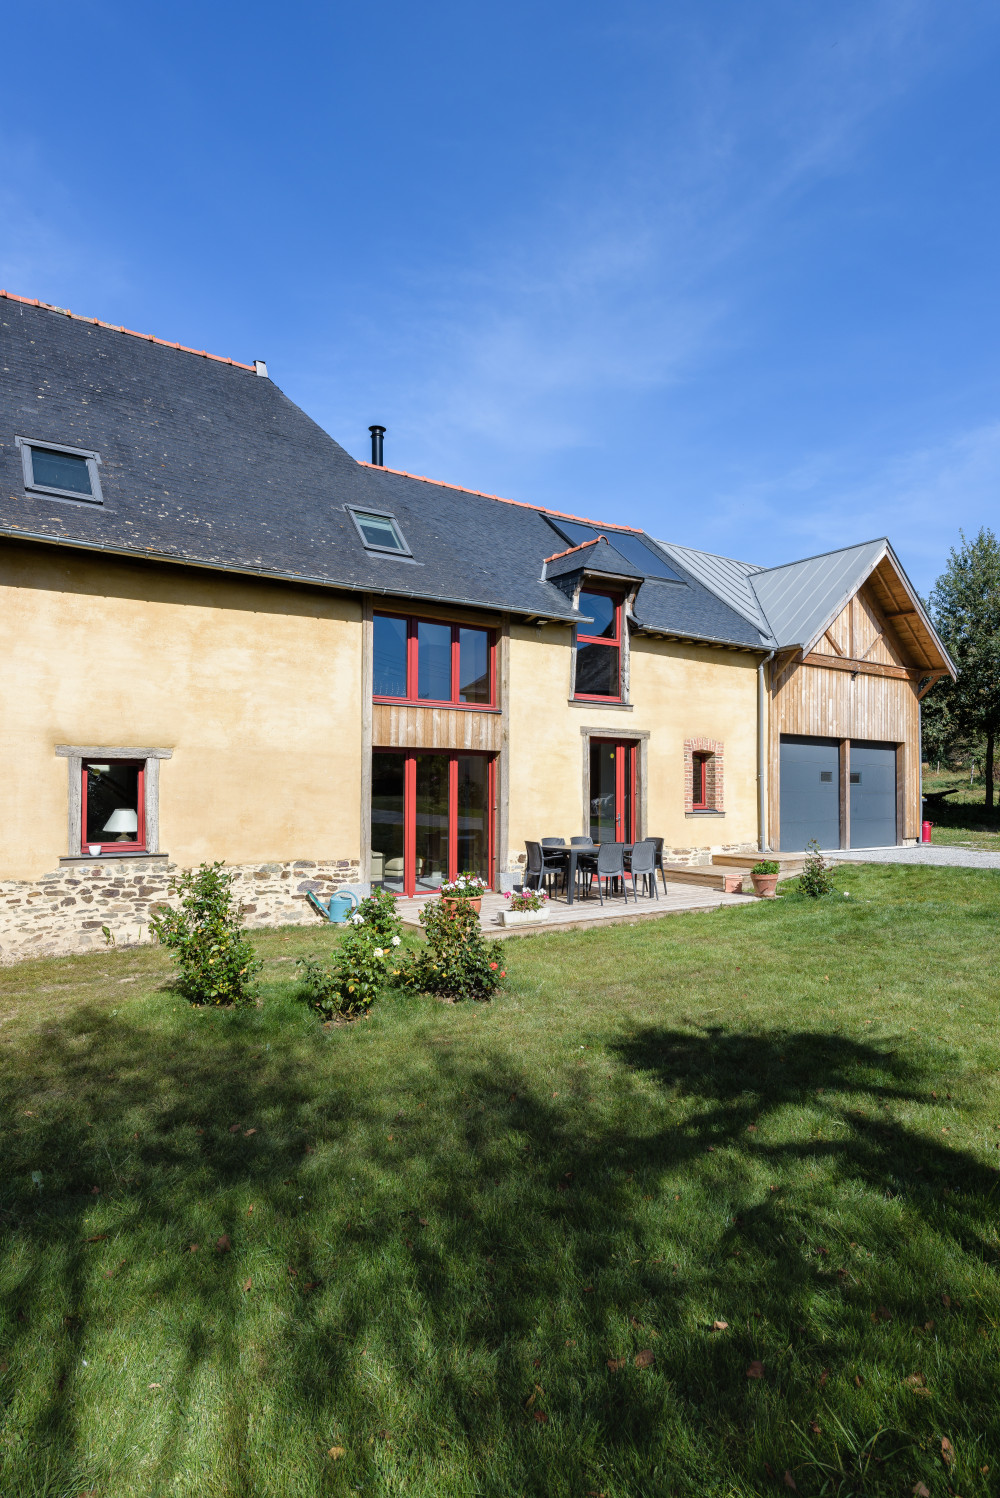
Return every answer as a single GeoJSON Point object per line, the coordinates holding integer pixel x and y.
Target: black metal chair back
{"type": "Point", "coordinates": [581, 842]}
{"type": "Point", "coordinates": [553, 842]}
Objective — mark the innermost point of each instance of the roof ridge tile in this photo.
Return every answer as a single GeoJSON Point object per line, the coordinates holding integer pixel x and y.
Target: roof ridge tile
{"type": "Point", "coordinates": [33, 301]}
{"type": "Point", "coordinates": [632, 530]}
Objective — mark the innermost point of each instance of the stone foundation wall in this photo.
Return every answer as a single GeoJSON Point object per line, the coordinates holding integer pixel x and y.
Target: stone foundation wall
{"type": "Point", "coordinates": [64, 911]}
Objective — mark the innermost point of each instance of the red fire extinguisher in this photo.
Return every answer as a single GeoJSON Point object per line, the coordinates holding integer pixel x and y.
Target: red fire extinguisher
{"type": "Point", "coordinates": [925, 832]}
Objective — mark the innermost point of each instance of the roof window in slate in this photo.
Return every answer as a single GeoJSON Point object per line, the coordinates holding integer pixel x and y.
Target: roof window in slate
{"type": "Point", "coordinates": [378, 531]}
{"type": "Point", "coordinates": [61, 472]}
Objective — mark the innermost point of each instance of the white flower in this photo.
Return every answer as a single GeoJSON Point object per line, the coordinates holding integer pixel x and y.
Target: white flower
{"type": "Point", "coordinates": [395, 941]}
{"type": "Point", "coordinates": [357, 920]}
{"type": "Point", "coordinates": [379, 952]}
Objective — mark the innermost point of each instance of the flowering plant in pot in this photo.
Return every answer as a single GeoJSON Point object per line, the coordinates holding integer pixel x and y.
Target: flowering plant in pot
{"type": "Point", "coordinates": [526, 905]}
{"type": "Point", "coordinates": [468, 889]}
{"type": "Point", "coordinates": [765, 878]}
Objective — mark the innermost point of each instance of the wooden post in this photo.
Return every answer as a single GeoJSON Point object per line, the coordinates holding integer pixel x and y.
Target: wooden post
{"type": "Point", "coordinates": [367, 654]}
{"type": "Point", "coordinates": [845, 793]}
{"type": "Point", "coordinates": [503, 767]}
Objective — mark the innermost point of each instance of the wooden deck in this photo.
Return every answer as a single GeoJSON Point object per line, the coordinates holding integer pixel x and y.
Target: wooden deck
{"type": "Point", "coordinates": [679, 899]}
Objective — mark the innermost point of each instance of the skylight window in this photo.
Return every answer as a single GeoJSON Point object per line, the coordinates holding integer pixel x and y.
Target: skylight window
{"type": "Point", "coordinates": [633, 548]}
{"type": "Point", "coordinates": [60, 472]}
{"type": "Point", "coordinates": [379, 532]}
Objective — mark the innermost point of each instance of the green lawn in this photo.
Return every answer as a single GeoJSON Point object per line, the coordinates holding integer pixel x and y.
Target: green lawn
{"type": "Point", "coordinates": [480, 1249]}
{"type": "Point", "coordinates": [962, 821]}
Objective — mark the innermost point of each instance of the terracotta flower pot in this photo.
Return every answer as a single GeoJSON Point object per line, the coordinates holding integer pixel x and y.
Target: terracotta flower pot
{"type": "Point", "coordinates": [473, 904]}
{"type": "Point", "coordinates": [765, 885]}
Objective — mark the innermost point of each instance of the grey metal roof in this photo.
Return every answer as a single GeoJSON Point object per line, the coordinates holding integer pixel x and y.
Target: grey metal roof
{"type": "Point", "coordinates": [800, 599]}
{"type": "Point", "coordinates": [727, 578]}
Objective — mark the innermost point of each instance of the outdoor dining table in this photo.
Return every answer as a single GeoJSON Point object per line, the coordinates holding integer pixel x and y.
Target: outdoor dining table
{"type": "Point", "coordinates": [573, 854]}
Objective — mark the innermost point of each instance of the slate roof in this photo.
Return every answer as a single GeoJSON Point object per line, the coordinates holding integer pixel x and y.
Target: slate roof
{"type": "Point", "coordinates": [207, 463]}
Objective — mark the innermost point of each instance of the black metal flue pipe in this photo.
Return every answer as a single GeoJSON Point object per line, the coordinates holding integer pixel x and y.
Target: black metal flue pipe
{"type": "Point", "coordinates": [377, 434]}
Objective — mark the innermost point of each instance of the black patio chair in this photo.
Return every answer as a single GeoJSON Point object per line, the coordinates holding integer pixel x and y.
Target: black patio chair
{"type": "Point", "coordinates": [609, 865]}
{"type": "Point", "coordinates": [541, 866]}
{"type": "Point", "coordinates": [642, 865]}
{"type": "Point", "coordinates": [553, 842]}
{"type": "Point", "coordinates": [658, 858]}
{"type": "Point", "coordinates": [581, 842]}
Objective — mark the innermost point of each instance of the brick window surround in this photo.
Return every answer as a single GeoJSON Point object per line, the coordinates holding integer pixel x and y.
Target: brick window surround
{"type": "Point", "coordinates": [712, 749]}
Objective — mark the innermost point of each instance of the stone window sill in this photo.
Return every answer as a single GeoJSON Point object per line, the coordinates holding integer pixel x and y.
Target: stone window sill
{"type": "Point", "coordinates": [79, 858]}
{"type": "Point", "coordinates": [617, 707]}
{"type": "Point", "coordinates": [709, 811]}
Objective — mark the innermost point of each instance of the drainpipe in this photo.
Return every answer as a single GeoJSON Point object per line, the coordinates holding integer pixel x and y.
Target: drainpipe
{"type": "Point", "coordinates": [763, 842]}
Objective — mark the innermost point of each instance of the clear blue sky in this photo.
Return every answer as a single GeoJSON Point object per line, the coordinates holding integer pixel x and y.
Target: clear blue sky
{"type": "Point", "coordinates": [725, 270]}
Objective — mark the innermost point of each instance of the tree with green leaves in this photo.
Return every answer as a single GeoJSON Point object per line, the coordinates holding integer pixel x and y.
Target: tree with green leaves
{"type": "Point", "coordinates": [966, 609]}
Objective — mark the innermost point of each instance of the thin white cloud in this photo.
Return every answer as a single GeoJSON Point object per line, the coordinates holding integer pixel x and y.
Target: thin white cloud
{"type": "Point", "coordinates": [919, 498]}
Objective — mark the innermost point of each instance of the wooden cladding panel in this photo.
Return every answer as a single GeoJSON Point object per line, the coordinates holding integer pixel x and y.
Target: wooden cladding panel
{"type": "Point", "coordinates": [435, 728]}
{"type": "Point", "coordinates": [831, 703]}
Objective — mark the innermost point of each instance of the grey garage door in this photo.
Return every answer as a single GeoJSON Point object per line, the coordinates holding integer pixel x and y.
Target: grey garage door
{"type": "Point", "coordinates": [873, 795]}
{"type": "Point", "coordinates": [810, 792]}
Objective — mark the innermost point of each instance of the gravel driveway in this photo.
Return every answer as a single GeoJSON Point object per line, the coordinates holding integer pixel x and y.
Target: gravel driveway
{"type": "Point", "coordinates": [964, 858]}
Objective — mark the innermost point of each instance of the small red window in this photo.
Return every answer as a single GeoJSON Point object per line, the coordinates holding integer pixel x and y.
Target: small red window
{"type": "Point", "coordinates": [699, 782]}
{"type": "Point", "coordinates": [113, 806]}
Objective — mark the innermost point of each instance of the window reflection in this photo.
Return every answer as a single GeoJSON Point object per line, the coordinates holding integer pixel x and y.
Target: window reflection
{"type": "Point", "coordinates": [434, 662]}
{"type": "Point", "coordinates": [474, 665]}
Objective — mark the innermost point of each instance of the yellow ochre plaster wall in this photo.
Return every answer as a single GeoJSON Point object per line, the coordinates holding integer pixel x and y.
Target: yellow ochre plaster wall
{"type": "Point", "coordinates": [677, 692]}
{"type": "Point", "coordinates": [255, 687]}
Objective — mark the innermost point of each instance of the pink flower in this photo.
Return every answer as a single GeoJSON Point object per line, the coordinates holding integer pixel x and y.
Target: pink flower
{"type": "Point", "coordinates": [503, 972]}
{"type": "Point", "coordinates": [494, 966]}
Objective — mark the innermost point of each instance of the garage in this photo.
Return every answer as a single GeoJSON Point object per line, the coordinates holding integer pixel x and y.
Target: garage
{"type": "Point", "coordinates": [810, 792]}
{"type": "Point", "coordinates": [873, 795]}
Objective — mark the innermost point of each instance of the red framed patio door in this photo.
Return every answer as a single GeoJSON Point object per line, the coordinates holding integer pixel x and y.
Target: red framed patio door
{"type": "Point", "coordinates": [432, 817]}
{"type": "Point", "coordinates": [612, 790]}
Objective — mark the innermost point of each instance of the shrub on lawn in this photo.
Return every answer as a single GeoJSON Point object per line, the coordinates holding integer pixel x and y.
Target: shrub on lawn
{"type": "Point", "coordinates": [816, 879]}
{"type": "Point", "coordinates": [216, 961]}
{"type": "Point", "coordinates": [347, 983]}
{"type": "Point", "coordinates": [457, 962]}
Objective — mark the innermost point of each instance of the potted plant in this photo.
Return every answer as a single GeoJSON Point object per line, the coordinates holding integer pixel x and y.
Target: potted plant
{"type": "Point", "coordinates": [765, 878]}
{"type": "Point", "coordinates": [527, 906]}
{"type": "Point", "coordinates": [467, 889]}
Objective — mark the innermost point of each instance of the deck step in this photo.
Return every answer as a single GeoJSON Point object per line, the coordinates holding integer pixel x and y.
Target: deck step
{"type": "Point", "coordinates": [682, 873]}
{"type": "Point", "coordinates": [790, 863]}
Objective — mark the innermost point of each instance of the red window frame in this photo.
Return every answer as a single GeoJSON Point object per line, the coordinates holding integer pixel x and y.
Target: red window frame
{"type": "Point", "coordinates": [139, 845]}
{"type": "Point", "coordinates": [410, 813]}
{"type": "Point", "coordinates": [412, 659]}
{"type": "Point", "coordinates": [699, 781]}
{"type": "Point", "coordinates": [614, 644]}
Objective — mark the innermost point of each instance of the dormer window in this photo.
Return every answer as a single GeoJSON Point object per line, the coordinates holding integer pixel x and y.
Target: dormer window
{"type": "Point", "coordinates": [598, 648]}
{"type": "Point", "coordinates": [379, 532]}
{"type": "Point", "coordinates": [61, 472]}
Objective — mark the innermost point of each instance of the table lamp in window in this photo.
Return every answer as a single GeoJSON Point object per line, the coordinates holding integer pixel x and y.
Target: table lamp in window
{"type": "Point", "coordinates": [125, 823]}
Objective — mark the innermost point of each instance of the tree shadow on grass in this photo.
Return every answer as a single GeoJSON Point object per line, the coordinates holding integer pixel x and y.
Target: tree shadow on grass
{"type": "Point", "coordinates": [445, 1255]}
